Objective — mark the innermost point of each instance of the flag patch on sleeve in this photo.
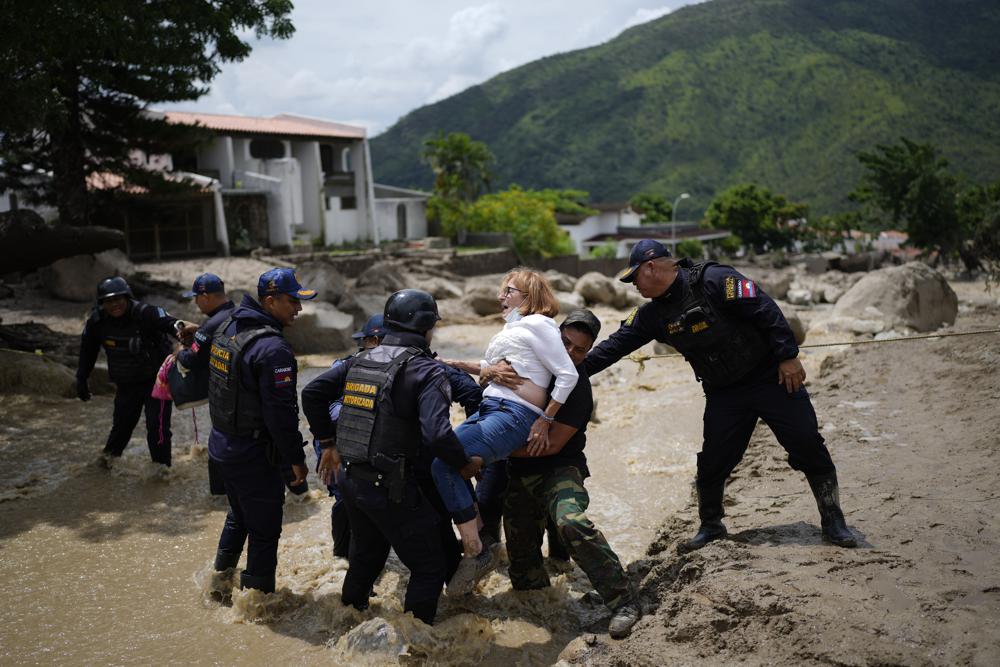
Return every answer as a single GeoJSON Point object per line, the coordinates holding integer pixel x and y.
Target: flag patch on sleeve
{"type": "Point", "coordinates": [739, 288]}
{"type": "Point", "coordinates": [282, 376]}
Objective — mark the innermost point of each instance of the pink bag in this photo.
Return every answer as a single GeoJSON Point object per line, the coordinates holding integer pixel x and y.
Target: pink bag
{"type": "Point", "coordinates": [161, 388]}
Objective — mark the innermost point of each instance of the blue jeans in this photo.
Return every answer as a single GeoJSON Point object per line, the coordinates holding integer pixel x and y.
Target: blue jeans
{"type": "Point", "coordinates": [500, 427]}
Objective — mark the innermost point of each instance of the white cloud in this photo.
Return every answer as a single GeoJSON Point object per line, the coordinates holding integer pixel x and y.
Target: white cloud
{"type": "Point", "coordinates": [379, 60]}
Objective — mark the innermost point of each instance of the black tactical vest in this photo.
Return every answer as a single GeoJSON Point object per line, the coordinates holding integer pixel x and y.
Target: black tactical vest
{"type": "Point", "coordinates": [369, 427]}
{"type": "Point", "coordinates": [234, 408]}
{"type": "Point", "coordinates": [134, 351]}
{"type": "Point", "coordinates": [720, 348]}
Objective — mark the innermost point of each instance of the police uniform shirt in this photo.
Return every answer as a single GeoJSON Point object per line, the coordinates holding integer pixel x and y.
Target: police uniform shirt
{"type": "Point", "coordinates": [153, 322]}
{"type": "Point", "coordinates": [575, 412]}
{"type": "Point", "coordinates": [269, 368]}
{"type": "Point", "coordinates": [422, 392]}
{"type": "Point", "coordinates": [198, 354]}
{"type": "Point", "coordinates": [728, 290]}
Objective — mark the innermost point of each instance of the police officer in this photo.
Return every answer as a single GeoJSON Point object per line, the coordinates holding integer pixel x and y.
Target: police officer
{"type": "Point", "coordinates": [744, 353]}
{"type": "Point", "coordinates": [255, 420]}
{"type": "Point", "coordinates": [209, 294]}
{"type": "Point", "coordinates": [464, 391]}
{"type": "Point", "coordinates": [394, 421]}
{"type": "Point", "coordinates": [136, 339]}
{"type": "Point", "coordinates": [368, 337]}
{"type": "Point", "coordinates": [547, 486]}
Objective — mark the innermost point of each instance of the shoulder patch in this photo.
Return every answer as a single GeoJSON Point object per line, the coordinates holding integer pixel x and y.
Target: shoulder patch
{"type": "Point", "coordinates": [283, 376]}
{"type": "Point", "coordinates": [631, 317]}
{"type": "Point", "coordinates": [730, 288]}
{"type": "Point", "coordinates": [745, 289]}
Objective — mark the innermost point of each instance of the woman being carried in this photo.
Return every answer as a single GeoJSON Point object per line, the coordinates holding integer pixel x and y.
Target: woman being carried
{"type": "Point", "coordinates": [508, 418]}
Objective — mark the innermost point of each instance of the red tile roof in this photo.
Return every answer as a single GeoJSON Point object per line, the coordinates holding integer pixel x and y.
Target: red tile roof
{"type": "Point", "coordinates": [282, 124]}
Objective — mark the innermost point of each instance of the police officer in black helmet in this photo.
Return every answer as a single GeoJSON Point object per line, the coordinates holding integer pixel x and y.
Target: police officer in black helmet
{"type": "Point", "coordinates": [394, 421]}
{"type": "Point", "coordinates": [744, 353]}
{"type": "Point", "coordinates": [136, 338]}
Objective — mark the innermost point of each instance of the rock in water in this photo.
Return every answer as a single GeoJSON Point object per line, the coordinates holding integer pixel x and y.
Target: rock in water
{"type": "Point", "coordinates": [913, 295]}
{"type": "Point", "coordinates": [25, 373]}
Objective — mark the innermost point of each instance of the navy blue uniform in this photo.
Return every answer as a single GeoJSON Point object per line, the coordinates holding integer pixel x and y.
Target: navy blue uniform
{"type": "Point", "coordinates": [464, 391]}
{"type": "Point", "coordinates": [195, 358]}
{"type": "Point", "coordinates": [136, 345]}
{"type": "Point", "coordinates": [197, 355]}
{"type": "Point", "coordinates": [417, 528]}
{"type": "Point", "coordinates": [732, 407]}
{"type": "Point", "coordinates": [250, 465]}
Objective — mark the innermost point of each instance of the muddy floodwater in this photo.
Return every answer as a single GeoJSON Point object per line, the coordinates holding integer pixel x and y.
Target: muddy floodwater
{"type": "Point", "coordinates": [114, 567]}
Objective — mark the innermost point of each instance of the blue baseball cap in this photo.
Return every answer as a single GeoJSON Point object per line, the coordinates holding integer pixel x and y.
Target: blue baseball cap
{"type": "Point", "coordinates": [643, 251]}
{"type": "Point", "coordinates": [206, 283]}
{"type": "Point", "coordinates": [282, 281]}
{"type": "Point", "coordinates": [375, 326]}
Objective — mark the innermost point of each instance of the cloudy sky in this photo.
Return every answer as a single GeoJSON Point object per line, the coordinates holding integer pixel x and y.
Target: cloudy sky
{"type": "Point", "coordinates": [369, 63]}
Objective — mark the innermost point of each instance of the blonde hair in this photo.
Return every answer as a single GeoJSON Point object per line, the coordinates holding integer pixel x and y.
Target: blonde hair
{"type": "Point", "coordinates": [538, 296]}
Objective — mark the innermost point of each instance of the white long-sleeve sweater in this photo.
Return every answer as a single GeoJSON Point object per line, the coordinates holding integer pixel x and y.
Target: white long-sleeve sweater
{"type": "Point", "coordinates": [534, 347]}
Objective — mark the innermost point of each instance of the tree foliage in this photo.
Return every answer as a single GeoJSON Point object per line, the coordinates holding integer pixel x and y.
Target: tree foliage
{"type": "Point", "coordinates": [761, 218]}
{"type": "Point", "coordinates": [462, 166]}
{"type": "Point", "coordinates": [652, 208]}
{"type": "Point", "coordinates": [692, 248]}
{"type": "Point", "coordinates": [78, 77]}
{"type": "Point", "coordinates": [529, 216]}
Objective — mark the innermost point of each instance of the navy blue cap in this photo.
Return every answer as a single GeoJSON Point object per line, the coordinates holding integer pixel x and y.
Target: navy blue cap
{"type": "Point", "coordinates": [206, 283]}
{"type": "Point", "coordinates": [282, 281]}
{"type": "Point", "coordinates": [643, 251]}
{"type": "Point", "coordinates": [375, 326]}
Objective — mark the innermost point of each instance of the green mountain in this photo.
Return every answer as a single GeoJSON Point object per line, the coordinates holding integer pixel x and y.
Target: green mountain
{"type": "Point", "coordinates": [777, 92]}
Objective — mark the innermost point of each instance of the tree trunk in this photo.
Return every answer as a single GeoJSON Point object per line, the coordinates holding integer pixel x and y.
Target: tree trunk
{"type": "Point", "coordinates": [68, 153]}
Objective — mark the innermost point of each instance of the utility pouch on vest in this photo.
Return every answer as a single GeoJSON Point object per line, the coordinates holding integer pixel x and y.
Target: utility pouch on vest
{"type": "Point", "coordinates": [394, 470]}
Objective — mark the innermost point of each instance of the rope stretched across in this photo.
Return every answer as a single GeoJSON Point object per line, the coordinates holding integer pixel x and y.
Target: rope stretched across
{"type": "Point", "coordinates": [641, 359]}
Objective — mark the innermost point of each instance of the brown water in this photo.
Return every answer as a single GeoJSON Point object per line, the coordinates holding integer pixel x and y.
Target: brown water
{"type": "Point", "coordinates": [114, 567]}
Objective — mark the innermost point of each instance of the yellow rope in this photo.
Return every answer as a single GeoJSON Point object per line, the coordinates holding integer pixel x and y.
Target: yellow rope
{"type": "Point", "coordinates": [641, 359]}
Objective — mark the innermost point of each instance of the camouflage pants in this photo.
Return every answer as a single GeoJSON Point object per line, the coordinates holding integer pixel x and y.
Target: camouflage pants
{"type": "Point", "coordinates": [558, 494]}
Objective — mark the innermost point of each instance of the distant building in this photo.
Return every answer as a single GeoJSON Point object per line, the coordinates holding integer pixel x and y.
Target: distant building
{"type": "Point", "coordinates": [271, 182]}
{"type": "Point", "coordinates": [618, 225]}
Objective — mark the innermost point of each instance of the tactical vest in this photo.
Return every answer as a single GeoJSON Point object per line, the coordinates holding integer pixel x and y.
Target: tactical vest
{"type": "Point", "coordinates": [369, 427]}
{"type": "Point", "coordinates": [721, 349]}
{"type": "Point", "coordinates": [234, 409]}
{"type": "Point", "coordinates": [134, 352]}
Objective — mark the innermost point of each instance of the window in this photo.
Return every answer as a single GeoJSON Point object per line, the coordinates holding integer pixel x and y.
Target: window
{"type": "Point", "coordinates": [326, 158]}
{"type": "Point", "coordinates": [348, 203]}
{"type": "Point", "coordinates": [267, 149]}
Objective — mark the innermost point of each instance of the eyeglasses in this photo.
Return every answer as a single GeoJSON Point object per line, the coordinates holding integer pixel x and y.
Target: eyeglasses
{"type": "Point", "coordinates": [505, 292]}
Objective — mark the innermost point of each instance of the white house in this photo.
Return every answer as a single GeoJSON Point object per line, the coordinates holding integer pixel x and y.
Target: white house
{"type": "Point", "coordinates": [617, 224]}
{"type": "Point", "coordinates": [314, 174]}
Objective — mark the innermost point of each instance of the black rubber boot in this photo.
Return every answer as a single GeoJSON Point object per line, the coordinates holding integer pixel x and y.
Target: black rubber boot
{"type": "Point", "coordinates": [710, 512]}
{"type": "Point", "coordinates": [225, 560]}
{"type": "Point", "coordinates": [827, 493]}
{"type": "Point", "coordinates": [264, 584]}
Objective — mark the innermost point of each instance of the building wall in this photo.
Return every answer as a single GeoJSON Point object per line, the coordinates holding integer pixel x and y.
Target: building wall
{"type": "Point", "coordinates": [387, 218]}
{"type": "Point", "coordinates": [311, 176]}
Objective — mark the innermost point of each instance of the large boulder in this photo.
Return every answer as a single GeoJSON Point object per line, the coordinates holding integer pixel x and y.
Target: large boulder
{"type": "Point", "coordinates": [597, 288]}
{"type": "Point", "coordinates": [481, 298]}
{"type": "Point", "coordinates": [774, 283]}
{"type": "Point", "coordinates": [324, 278]}
{"type": "Point", "coordinates": [362, 304]}
{"type": "Point", "coordinates": [27, 373]}
{"type": "Point", "coordinates": [439, 288]}
{"type": "Point", "coordinates": [560, 282]}
{"type": "Point", "coordinates": [320, 327]}
{"type": "Point", "coordinates": [382, 277]}
{"type": "Point", "coordinates": [76, 278]}
{"type": "Point", "coordinates": [569, 301]}
{"type": "Point", "coordinates": [27, 242]}
{"type": "Point", "coordinates": [912, 295]}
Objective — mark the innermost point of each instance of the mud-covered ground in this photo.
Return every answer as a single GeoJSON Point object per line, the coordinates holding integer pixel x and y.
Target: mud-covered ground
{"type": "Point", "coordinates": [114, 567]}
{"type": "Point", "coordinates": [913, 428]}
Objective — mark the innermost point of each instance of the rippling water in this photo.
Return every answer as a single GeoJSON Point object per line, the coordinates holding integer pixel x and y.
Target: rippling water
{"type": "Point", "coordinates": [115, 567]}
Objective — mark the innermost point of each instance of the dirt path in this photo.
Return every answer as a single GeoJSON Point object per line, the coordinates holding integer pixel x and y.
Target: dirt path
{"type": "Point", "coordinates": [914, 430]}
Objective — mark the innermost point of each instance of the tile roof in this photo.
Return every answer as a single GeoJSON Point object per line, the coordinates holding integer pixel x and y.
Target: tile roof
{"type": "Point", "coordinates": [282, 124]}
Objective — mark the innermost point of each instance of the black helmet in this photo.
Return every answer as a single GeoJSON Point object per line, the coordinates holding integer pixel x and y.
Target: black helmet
{"type": "Point", "coordinates": [110, 287]}
{"type": "Point", "coordinates": [412, 310]}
